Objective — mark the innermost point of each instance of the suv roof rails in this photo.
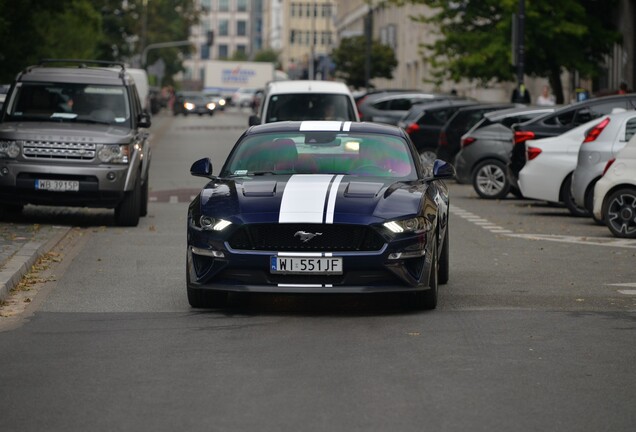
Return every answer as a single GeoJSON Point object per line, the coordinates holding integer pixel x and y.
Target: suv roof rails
{"type": "Point", "coordinates": [83, 63]}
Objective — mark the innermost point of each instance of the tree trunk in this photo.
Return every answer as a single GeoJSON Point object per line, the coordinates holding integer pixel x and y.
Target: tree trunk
{"type": "Point", "coordinates": [557, 86]}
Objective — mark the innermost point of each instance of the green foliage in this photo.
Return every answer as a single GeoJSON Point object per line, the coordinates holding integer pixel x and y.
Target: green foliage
{"type": "Point", "coordinates": [350, 58]}
{"type": "Point", "coordinates": [475, 38]}
{"type": "Point", "coordinates": [32, 30]}
{"type": "Point", "coordinates": [239, 56]}
{"type": "Point", "coordinates": [268, 56]}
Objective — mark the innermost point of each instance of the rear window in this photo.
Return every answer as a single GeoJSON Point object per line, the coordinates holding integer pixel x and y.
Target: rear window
{"type": "Point", "coordinates": [309, 106]}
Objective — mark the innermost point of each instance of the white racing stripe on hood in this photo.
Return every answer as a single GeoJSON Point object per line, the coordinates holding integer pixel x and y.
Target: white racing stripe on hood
{"type": "Point", "coordinates": [304, 198]}
{"type": "Point", "coordinates": [333, 194]}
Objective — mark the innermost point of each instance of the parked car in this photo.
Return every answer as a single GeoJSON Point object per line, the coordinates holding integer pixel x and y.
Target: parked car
{"type": "Point", "coordinates": [305, 100]}
{"type": "Point", "coordinates": [561, 121]}
{"type": "Point", "coordinates": [390, 107]}
{"type": "Point", "coordinates": [601, 144]}
{"type": "Point", "coordinates": [615, 193]}
{"type": "Point", "coordinates": [243, 97]}
{"type": "Point", "coordinates": [193, 103]}
{"type": "Point", "coordinates": [449, 142]}
{"type": "Point", "coordinates": [485, 150]}
{"type": "Point", "coordinates": [316, 207]}
{"type": "Point", "coordinates": [75, 136]}
{"type": "Point", "coordinates": [423, 123]}
{"type": "Point", "coordinates": [547, 174]}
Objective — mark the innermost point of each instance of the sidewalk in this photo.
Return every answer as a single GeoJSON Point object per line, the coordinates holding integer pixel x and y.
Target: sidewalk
{"type": "Point", "coordinates": [20, 247]}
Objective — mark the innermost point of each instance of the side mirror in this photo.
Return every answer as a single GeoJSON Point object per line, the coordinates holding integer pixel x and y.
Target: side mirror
{"type": "Point", "coordinates": [443, 170]}
{"type": "Point", "coordinates": [202, 168]}
{"type": "Point", "coordinates": [254, 120]}
{"type": "Point", "coordinates": [143, 120]}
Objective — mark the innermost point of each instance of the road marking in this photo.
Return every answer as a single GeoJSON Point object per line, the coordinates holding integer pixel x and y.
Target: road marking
{"type": "Point", "coordinates": [495, 229]}
{"type": "Point", "coordinates": [628, 292]}
{"type": "Point", "coordinates": [173, 199]}
{"type": "Point", "coordinates": [627, 285]}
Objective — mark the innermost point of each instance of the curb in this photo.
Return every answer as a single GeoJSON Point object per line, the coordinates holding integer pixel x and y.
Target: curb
{"type": "Point", "coordinates": [20, 263]}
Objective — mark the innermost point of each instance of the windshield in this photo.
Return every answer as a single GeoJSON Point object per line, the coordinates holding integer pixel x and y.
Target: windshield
{"type": "Point", "coordinates": [69, 102]}
{"type": "Point", "coordinates": [309, 106]}
{"type": "Point", "coordinates": [321, 153]}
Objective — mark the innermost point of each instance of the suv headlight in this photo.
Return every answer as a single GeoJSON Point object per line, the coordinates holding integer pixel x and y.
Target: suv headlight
{"type": "Point", "coordinates": [9, 149]}
{"type": "Point", "coordinates": [114, 153]}
{"type": "Point", "coordinates": [416, 224]}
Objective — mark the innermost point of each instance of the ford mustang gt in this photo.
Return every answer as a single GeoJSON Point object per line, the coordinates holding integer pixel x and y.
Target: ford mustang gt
{"type": "Point", "coordinates": [319, 207]}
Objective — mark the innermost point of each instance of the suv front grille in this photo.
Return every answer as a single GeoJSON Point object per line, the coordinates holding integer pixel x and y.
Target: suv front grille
{"type": "Point", "coordinates": [58, 150]}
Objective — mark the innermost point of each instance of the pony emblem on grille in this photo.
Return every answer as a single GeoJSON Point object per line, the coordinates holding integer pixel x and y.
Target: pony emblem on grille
{"type": "Point", "coordinates": [305, 236]}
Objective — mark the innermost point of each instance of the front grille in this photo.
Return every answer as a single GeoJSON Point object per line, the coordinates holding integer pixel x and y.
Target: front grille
{"type": "Point", "coordinates": [288, 237]}
{"type": "Point", "coordinates": [58, 150]}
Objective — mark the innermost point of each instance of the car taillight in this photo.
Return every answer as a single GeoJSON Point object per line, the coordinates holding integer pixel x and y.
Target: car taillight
{"type": "Point", "coordinates": [466, 141]}
{"type": "Point", "coordinates": [533, 152]}
{"type": "Point", "coordinates": [596, 131]}
{"type": "Point", "coordinates": [443, 139]}
{"type": "Point", "coordinates": [608, 165]}
{"type": "Point", "coordinates": [523, 136]}
{"type": "Point", "coordinates": [413, 127]}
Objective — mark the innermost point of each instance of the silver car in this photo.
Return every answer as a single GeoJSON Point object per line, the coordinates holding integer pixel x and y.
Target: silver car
{"type": "Point", "coordinates": [600, 145]}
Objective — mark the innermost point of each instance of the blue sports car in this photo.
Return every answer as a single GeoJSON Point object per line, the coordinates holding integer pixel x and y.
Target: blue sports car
{"type": "Point", "coordinates": [319, 207]}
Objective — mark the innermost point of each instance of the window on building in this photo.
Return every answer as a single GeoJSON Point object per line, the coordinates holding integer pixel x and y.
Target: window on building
{"type": "Point", "coordinates": [241, 28]}
{"type": "Point", "coordinates": [223, 51]}
{"type": "Point", "coordinates": [326, 10]}
{"type": "Point", "coordinates": [292, 37]}
{"type": "Point", "coordinates": [300, 10]}
{"type": "Point", "coordinates": [205, 52]}
{"type": "Point", "coordinates": [206, 4]}
{"type": "Point", "coordinates": [241, 49]}
{"type": "Point", "coordinates": [241, 5]}
{"type": "Point", "coordinates": [224, 5]}
{"type": "Point", "coordinates": [223, 27]}
{"type": "Point", "coordinates": [292, 10]}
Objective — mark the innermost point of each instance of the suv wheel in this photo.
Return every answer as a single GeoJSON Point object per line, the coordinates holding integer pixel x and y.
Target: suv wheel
{"type": "Point", "coordinates": [143, 208]}
{"type": "Point", "coordinates": [128, 211]}
{"type": "Point", "coordinates": [490, 180]}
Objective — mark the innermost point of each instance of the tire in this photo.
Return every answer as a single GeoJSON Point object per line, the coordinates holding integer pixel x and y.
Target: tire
{"type": "Point", "coordinates": [143, 208]}
{"type": "Point", "coordinates": [568, 199]}
{"type": "Point", "coordinates": [490, 180]}
{"type": "Point", "coordinates": [589, 203]}
{"type": "Point", "coordinates": [426, 299]}
{"type": "Point", "coordinates": [444, 261]}
{"type": "Point", "coordinates": [128, 211]}
{"type": "Point", "coordinates": [619, 210]}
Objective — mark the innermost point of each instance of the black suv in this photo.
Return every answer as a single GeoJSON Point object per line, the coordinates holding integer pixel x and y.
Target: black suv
{"type": "Point", "coordinates": [559, 122]}
{"type": "Point", "coordinates": [75, 136]}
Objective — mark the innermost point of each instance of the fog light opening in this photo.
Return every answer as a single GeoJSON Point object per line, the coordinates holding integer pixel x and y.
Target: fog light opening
{"type": "Point", "coordinates": [4, 171]}
{"type": "Point", "coordinates": [111, 176]}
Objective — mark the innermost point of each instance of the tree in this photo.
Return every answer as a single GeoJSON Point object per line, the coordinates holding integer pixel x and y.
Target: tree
{"type": "Point", "coordinates": [349, 58]}
{"type": "Point", "coordinates": [32, 30]}
{"type": "Point", "coordinates": [475, 38]}
{"type": "Point", "coordinates": [268, 56]}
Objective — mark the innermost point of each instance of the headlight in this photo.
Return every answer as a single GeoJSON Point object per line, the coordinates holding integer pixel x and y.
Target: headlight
{"type": "Point", "coordinates": [416, 224]}
{"type": "Point", "coordinates": [211, 106]}
{"type": "Point", "coordinates": [221, 102]}
{"type": "Point", "coordinates": [189, 106]}
{"type": "Point", "coordinates": [9, 149]}
{"type": "Point", "coordinates": [210, 224]}
{"type": "Point", "coordinates": [114, 154]}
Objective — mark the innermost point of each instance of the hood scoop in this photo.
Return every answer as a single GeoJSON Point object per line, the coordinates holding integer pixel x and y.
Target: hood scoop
{"type": "Point", "coordinates": [259, 189]}
{"type": "Point", "coordinates": [363, 189]}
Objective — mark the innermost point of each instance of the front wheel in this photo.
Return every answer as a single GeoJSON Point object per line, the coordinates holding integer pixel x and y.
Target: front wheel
{"type": "Point", "coordinates": [619, 210]}
{"type": "Point", "coordinates": [490, 180]}
{"type": "Point", "coordinates": [127, 212]}
{"type": "Point", "coordinates": [444, 260]}
{"type": "Point", "coordinates": [143, 209]}
{"type": "Point", "coordinates": [427, 299]}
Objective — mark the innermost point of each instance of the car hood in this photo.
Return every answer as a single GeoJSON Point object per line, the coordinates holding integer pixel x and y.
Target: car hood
{"type": "Point", "coordinates": [48, 131]}
{"type": "Point", "coordinates": [312, 198]}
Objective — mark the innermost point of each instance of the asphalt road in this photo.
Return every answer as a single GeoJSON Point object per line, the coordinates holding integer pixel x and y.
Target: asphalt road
{"type": "Point", "coordinates": [535, 330]}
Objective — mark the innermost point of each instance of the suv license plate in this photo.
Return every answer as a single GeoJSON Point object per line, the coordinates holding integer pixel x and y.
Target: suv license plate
{"type": "Point", "coordinates": [303, 265]}
{"type": "Point", "coordinates": [57, 185]}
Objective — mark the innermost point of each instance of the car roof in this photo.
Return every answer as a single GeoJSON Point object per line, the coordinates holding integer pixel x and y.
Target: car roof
{"type": "Point", "coordinates": [307, 86]}
{"type": "Point", "coordinates": [398, 95]}
{"type": "Point", "coordinates": [81, 75]}
{"type": "Point", "coordinates": [510, 112]}
{"type": "Point", "coordinates": [320, 125]}
{"type": "Point", "coordinates": [443, 103]}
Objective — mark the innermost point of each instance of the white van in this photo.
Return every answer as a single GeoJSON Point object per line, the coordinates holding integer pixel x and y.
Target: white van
{"type": "Point", "coordinates": [306, 100]}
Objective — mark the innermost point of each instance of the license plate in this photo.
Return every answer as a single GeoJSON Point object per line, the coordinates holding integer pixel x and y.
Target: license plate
{"type": "Point", "coordinates": [302, 265]}
{"type": "Point", "coordinates": [57, 185]}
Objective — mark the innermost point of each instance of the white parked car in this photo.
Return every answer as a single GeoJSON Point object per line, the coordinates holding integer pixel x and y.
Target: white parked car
{"type": "Point", "coordinates": [547, 174]}
{"type": "Point", "coordinates": [244, 97]}
{"type": "Point", "coordinates": [615, 193]}
{"type": "Point", "coordinates": [601, 144]}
